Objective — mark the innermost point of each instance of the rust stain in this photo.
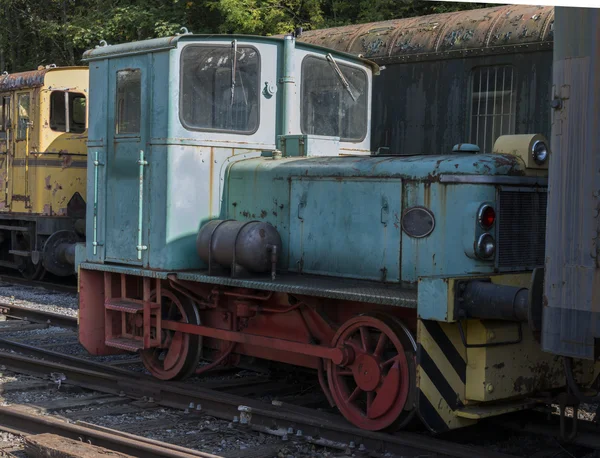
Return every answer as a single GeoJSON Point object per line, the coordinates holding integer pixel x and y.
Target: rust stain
{"type": "Point", "coordinates": [22, 80]}
{"type": "Point", "coordinates": [57, 187]}
{"type": "Point", "coordinates": [47, 180]}
{"type": "Point", "coordinates": [464, 31]}
{"type": "Point", "coordinates": [67, 160]}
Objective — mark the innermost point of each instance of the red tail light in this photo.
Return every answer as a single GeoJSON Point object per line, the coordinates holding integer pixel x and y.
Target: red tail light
{"type": "Point", "coordinates": [487, 216]}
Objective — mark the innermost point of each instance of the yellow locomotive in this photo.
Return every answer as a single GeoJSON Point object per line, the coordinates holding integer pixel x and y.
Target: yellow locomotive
{"type": "Point", "coordinates": [43, 161]}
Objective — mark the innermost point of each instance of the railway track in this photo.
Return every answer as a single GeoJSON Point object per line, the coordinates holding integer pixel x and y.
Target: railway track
{"type": "Point", "coordinates": [237, 401]}
{"type": "Point", "coordinates": [278, 419]}
{"type": "Point", "coordinates": [12, 311]}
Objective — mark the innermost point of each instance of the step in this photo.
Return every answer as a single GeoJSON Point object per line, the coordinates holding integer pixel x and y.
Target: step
{"type": "Point", "coordinates": [128, 305]}
{"type": "Point", "coordinates": [125, 344]}
{"type": "Point", "coordinates": [481, 411]}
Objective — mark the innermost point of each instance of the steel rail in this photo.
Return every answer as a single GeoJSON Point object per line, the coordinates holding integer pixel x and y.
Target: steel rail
{"type": "Point", "coordinates": [20, 421]}
{"type": "Point", "coordinates": [315, 426]}
{"type": "Point", "coordinates": [38, 316]}
{"type": "Point", "coordinates": [73, 361]}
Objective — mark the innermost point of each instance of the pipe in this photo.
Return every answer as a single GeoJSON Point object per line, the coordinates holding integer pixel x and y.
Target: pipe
{"type": "Point", "coordinates": [487, 300]}
{"type": "Point", "coordinates": [289, 84]}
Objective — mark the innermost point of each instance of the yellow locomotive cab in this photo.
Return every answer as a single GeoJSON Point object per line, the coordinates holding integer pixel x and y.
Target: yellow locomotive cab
{"type": "Point", "coordinates": [43, 159]}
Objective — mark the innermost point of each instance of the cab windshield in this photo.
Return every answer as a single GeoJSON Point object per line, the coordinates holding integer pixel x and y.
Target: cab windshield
{"type": "Point", "coordinates": [334, 99]}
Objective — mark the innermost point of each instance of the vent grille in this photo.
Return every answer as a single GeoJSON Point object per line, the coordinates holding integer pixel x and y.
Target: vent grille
{"type": "Point", "coordinates": [521, 229]}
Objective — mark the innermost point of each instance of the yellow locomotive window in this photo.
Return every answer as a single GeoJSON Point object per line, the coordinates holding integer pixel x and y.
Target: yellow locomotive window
{"type": "Point", "coordinates": [5, 114]}
{"type": "Point", "coordinates": [23, 122]}
{"type": "Point", "coordinates": [67, 106]}
{"type": "Point", "coordinates": [129, 101]}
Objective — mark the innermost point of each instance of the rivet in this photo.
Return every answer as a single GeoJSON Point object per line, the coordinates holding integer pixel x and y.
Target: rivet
{"type": "Point", "coordinates": [491, 335]}
{"type": "Point", "coordinates": [489, 388]}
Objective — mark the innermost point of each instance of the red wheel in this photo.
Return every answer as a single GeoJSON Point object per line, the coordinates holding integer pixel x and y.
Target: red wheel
{"type": "Point", "coordinates": [179, 353]}
{"type": "Point", "coordinates": [375, 389]}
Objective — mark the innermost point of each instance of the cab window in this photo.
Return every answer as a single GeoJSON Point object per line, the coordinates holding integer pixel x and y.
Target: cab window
{"type": "Point", "coordinates": [23, 104]}
{"type": "Point", "coordinates": [129, 101]}
{"type": "Point", "coordinates": [220, 88]}
{"type": "Point", "coordinates": [5, 113]}
{"type": "Point", "coordinates": [334, 99]}
{"type": "Point", "coordinates": [67, 112]}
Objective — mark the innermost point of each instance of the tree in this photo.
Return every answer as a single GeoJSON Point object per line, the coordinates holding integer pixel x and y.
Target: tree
{"type": "Point", "coordinates": [41, 32]}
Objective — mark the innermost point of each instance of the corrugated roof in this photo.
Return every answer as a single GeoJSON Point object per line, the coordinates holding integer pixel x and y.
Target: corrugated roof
{"type": "Point", "coordinates": [480, 31]}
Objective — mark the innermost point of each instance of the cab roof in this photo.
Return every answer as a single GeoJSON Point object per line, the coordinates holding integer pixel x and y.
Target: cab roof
{"type": "Point", "coordinates": [160, 44]}
{"type": "Point", "coordinates": [30, 79]}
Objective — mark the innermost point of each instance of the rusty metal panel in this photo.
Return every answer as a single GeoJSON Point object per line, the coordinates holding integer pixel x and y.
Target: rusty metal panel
{"type": "Point", "coordinates": [486, 31]}
{"type": "Point", "coordinates": [11, 82]}
{"type": "Point", "coordinates": [571, 319]}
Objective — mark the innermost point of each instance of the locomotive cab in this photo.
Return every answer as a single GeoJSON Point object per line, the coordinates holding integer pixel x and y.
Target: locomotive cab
{"type": "Point", "coordinates": [43, 130]}
{"type": "Point", "coordinates": [239, 214]}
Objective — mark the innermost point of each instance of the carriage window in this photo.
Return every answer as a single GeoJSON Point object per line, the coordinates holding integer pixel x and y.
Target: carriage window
{"type": "Point", "coordinates": [129, 101]}
{"type": "Point", "coordinates": [334, 99]}
{"type": "Point", "coordinates": [74, 110]}
{"type": "Point", "coordinates": [24, 114]}
{"type": "Point", "coordinates": [5, 113]}
{"type": "Point", "coordinates": [220, 88]}
{"type": "Point", "coordinates": [493, 105]}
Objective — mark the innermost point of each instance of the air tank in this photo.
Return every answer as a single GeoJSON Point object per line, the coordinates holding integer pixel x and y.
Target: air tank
{"type": "Point", "coordinates": [251, 245]}
{"type": "Point", "coordinates": [571, 312]}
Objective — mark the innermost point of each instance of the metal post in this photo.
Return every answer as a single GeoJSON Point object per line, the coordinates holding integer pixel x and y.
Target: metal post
{"type": "Point", "coordinates": [289, 84]}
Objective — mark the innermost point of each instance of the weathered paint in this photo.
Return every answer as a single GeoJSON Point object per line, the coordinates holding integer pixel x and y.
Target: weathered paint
{"type": "Point", "coordinates": [46, 168]}
{"type": "Point", "coordinates": [446, 35]}
{"type": "Point", "coordinates": [22, 80]}
{"type": "Point", "coordinates": [571, 319]}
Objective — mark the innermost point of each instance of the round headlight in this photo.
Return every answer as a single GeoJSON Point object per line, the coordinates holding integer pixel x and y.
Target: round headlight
{"type": "Point", "coordinates": [486, 246]}
{"type": "Point", "coordinates": [539, 152]}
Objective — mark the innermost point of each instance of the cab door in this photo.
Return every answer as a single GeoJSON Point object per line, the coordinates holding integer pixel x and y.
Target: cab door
{"type": "Point", "coordinates": [22, 139]}
{"type": "Point", "coordinates": [6, 148]}
{"type": "Point", "coordinates": [126, 164]}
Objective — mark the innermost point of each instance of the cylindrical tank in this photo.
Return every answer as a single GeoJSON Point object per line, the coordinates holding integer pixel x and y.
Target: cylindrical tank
{"type": "Point", "coordinates": [571, 312]}
{"type": "Point", "coordinates": [253, 245]}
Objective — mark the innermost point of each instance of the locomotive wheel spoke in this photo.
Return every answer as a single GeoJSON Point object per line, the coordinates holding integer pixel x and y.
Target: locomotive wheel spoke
{"type": "Point", "coordinates": [370, 398]}
{"type": "Point", "coordinates": [389, 362]}
{"type": "Point", "coordinates": [173, 351]}
{"type": "Point", "coordinates": [371, 391]}
{"type": "Point", "coordinates": [357, 391]}
{"type": "Point", "coordinates": [381, 343]}
{"type": "Point", "coordinates": [364, 338]}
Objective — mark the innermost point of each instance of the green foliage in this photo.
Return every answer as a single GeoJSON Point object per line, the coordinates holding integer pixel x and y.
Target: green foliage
{"type": "Point", "coordinates": [41, 32]}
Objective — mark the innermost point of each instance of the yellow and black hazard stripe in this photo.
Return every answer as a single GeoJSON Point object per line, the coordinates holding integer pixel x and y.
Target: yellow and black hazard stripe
{"type": "Point", "coordinates": [441, 375]}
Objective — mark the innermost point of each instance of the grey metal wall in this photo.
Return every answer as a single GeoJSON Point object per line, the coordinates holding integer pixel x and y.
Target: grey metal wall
{"type": "Point", "coordinates": [571, 317]}
{"type": "Point", "coordinates": [425, 107]}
